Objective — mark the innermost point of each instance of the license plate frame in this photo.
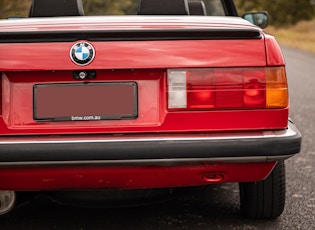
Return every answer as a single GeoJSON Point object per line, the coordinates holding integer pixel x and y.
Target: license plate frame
{"type": "Point", "coordinates": [85, 101]}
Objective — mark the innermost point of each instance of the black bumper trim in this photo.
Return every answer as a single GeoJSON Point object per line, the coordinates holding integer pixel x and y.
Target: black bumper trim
{"type": "Point", "coordinates": [258, 146]}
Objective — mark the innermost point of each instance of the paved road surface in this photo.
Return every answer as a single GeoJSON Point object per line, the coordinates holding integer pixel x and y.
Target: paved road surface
{"type": "Point", "coordinates": [213, 207]}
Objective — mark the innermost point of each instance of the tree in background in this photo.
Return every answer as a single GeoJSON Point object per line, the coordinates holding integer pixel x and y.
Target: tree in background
{"type": "Point", "coordinates": [18, 8]}
{"type": "Point", "coordinates": [21, 8]}
{"type": "Point", "coordinates": [282, 12]}
{"type": "Point", "coordinates": [110, 7]}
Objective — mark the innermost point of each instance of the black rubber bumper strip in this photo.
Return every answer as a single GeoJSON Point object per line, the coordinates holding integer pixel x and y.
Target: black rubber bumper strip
{"type": "Point", "coordinates": [268, 144]}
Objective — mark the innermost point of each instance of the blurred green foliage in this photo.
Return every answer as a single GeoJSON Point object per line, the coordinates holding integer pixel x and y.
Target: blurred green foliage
{"type": "Point", "coordinates": [14, 8]}
{"type": "Point", "coordinates": [20, 8]}
{"type": "Point", "coordinates": [282, 12]}
{"type": "Point", "coordinates": [110, 7]}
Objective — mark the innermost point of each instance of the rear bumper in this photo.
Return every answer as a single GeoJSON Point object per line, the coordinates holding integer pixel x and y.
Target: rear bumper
{"type": "Point", "coordinates": [150, 149]}
{"type": "Point", "coordinates": [98, 162]}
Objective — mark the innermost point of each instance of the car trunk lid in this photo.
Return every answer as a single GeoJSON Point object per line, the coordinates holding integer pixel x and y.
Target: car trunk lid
{"type": "Point", "coordinates": [128, 50]}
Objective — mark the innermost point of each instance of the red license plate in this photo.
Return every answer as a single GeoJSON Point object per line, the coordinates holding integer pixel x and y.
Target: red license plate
{"type": "Point", "coordinates": [85, 102]}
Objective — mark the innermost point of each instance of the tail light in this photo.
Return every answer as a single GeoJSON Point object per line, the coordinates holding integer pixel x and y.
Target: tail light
{"type": "Point", "coordinates": [223, 88]}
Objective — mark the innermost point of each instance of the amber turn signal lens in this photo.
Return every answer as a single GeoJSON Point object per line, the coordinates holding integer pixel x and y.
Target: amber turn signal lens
{"type": "Point", "coordinates": [276, 88]}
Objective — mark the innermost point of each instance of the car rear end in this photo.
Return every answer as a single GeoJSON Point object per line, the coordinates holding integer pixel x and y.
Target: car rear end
{"type": "Point", "coordinates": [128, 103]}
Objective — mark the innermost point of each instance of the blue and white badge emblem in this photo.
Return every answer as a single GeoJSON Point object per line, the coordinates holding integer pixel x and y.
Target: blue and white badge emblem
{"type": "Point", "coordinates": [82, 53]}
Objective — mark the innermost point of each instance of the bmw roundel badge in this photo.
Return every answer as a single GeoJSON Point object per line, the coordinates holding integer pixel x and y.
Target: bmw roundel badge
{"type": "Point", "coordinates": [82, 53]}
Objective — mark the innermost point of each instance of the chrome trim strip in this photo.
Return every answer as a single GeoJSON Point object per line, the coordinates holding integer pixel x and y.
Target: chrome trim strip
{"type": "Point", "coordinates": [289, 132]}
{"type": "Point", "coordinates": [147, 162]}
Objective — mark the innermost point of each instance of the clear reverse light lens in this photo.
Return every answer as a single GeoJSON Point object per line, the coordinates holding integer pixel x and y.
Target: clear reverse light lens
{"type": "Point", "coordinates": [177, 95]}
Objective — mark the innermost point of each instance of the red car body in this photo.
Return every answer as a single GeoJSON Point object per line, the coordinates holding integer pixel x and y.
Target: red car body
{"type": "Point", "coordinates": [236, 136]}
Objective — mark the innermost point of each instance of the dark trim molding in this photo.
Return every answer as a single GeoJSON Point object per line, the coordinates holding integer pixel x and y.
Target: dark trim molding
{"type": "Point", "coordinates": [138, 148]}
{"type": "Point", "coordinates": [129, 35]}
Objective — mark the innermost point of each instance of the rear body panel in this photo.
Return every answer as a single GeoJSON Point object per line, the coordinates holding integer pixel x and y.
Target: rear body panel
{"type": "Point", "coordinates": [136, 51]}
{"type": "Point", "coordinates": [153, 115]}
{"type": "Point", "coordinates": [129, 177]}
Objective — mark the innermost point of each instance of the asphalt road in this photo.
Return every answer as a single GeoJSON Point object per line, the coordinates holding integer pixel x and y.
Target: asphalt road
{"type": "Point", "coordinates": [212, 207]}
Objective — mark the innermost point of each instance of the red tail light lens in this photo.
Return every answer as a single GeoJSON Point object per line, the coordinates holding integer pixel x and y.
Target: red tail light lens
{"type": "Point", "coordinates": [200, 89]}
{"type": "Point", "coordinates": [254, 85]}
{"type": "Point", "coordinates": [228, 85]}
{"type": "Point", "coordinates": [236, 88]}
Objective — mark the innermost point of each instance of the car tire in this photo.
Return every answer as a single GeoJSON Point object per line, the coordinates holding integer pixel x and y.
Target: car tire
{"type": "Point", "coordinates": [264, 199]}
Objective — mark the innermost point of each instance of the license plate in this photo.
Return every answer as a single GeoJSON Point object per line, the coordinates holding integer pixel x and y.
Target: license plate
{"type": "Point", "coordinates": [85, 102]}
